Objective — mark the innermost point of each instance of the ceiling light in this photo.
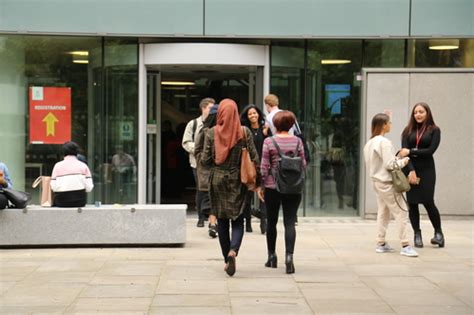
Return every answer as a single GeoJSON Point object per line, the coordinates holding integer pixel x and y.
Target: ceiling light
{"type": "Point", "coordinates": [335, 61]}
{"type": "Point", "coordinates": [177, 83]}
{"type": "Point", "coordinates": [79, 53]}
{"type": "Point", "coordinates": [443, 44]}
{"type": "Point", "coordinates": [81, 61]}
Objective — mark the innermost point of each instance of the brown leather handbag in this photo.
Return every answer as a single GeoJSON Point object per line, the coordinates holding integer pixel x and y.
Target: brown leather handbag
{"type": "Point", "coordinates": [248, 171]}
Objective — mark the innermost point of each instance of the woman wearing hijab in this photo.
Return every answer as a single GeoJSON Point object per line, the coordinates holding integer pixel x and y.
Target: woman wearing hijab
{"type": "Point", "coordinates": [222, 152]}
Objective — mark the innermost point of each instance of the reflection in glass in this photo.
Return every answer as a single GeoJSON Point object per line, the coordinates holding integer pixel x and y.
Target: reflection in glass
{"type": "Point", "coordinates": [287, 80]}
{"type": "Point", "coordinates": [434, 52]}
{"type": "Point", "coordinates": [103, 111]}
{"type": "Point", "coordinates": [115, 132]}
{"type": "Point", "coordinates": [333, 123]}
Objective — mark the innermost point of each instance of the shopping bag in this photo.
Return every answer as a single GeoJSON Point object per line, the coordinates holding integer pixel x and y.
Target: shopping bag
{"type": "Point", "coordinates": [46, 196]}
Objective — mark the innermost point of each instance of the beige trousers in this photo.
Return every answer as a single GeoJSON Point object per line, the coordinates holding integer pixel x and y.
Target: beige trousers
{"type": "Point", "coordinates": [387, 205]}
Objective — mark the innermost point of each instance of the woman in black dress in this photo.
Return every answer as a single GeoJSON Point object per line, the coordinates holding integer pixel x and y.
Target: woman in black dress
{"type": "Point", "coordinates": [420, 139]}
{"type": "Point", "coordinates": [253, 118]}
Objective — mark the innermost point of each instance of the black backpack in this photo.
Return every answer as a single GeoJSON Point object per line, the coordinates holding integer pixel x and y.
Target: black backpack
{"type": "Point", "coordinates": [289, 176]}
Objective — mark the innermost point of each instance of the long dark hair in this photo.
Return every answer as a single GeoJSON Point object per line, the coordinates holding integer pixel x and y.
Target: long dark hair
{"type": "Point", "coordinates": [378, 122]}
{"type": "Point", "coordinates": [244, 119]}
{"type": "Point", "coordinates": [412, 124]}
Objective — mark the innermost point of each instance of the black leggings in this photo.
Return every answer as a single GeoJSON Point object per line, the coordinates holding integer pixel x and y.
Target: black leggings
{"type": "Point", "coordinates": [290, 204]}
{"type": "Point", "coordinates": [433, 214]}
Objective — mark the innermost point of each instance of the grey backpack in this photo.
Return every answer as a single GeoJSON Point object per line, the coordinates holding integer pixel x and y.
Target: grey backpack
{"type": "Point", "coordinates": [289, 176]}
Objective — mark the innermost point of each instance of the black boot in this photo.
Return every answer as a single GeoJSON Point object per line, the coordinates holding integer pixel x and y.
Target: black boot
{"type": "Point", "coordinates": [290, 267]}
{"type": "Point", "coordinates": [418, 239]}
{"type": "Point", "coordinates": [248, 225]}
{"type": "Point", "coordinates": [438, 239]}
{"type": "Point", "coordinates": [272, 260]}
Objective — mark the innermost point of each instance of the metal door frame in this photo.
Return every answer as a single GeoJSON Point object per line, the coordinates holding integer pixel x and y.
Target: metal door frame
{"type": "Point", "coordinates": [188, 54]}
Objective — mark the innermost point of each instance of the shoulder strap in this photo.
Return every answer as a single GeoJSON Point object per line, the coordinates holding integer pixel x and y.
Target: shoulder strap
{"type": "Point", "coordinates": [298, 145]}
{"type": "Point", "coordinates": [245, 136]}
{"type": "Point", "coordinates": [297, 128]}
{"type": "Point", "coordinates": [194, 127]}
{"type": "Point", "coordinates": [276, 146]}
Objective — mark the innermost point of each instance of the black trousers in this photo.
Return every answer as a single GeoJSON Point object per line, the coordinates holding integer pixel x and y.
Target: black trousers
{"type": "Point", "coordinates": [433, 214]}
{"type": "Point", "coordinates": [200, 195]}
{"type": "Point", "coordinates": [290, 204]}
{"type": "Point", "coordinates": [227, 241]}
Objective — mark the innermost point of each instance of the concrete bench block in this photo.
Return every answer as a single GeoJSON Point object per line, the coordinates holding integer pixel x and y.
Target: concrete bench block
{"type": "Point", "coordinates": [105, 225]}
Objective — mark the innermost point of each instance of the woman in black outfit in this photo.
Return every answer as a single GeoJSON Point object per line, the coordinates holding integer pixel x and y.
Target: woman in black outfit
{"type": "Point", "coordinates": [253, 118]}
{"type": "Point", "coordinates": [420, 139]}
{"type": "Point", "coordinates": [292, 146]}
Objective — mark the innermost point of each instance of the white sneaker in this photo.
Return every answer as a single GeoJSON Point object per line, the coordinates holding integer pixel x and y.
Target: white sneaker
{"type": "Point", "coordinates": [384, 249]}
{"type": "Point", "coordinates": [408, 251]}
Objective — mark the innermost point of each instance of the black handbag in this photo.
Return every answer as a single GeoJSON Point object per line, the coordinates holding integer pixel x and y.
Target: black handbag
{"type": "Point", "coordinates": [18, 198]}
{"type": "Point", "coordinates": [256, 212]}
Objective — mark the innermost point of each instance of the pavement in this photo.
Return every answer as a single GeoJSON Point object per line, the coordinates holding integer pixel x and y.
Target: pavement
{"type": "Point", "coordinates": [337, 272]}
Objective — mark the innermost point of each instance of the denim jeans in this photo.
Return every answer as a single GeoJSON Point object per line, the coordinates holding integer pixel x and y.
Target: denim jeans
{"type": "Point", "coordinates": [230, 240]}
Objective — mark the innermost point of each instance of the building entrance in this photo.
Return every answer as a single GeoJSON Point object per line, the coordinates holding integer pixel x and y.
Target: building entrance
{"type": "Point", "coordinates": [173, 78]}
{"type": "Point", "coordinates": [174, 93]}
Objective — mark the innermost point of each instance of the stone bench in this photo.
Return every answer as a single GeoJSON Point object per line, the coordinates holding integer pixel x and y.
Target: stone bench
{"type": "Point", "coordinates": [93, 226]}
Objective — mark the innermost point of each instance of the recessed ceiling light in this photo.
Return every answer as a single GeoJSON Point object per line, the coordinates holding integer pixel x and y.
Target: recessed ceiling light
{"type": "Point", "coordinates": [81, 61]}
{"type": "Point", "coordinates": [335, 61]}
{"type": "Point", "coordinates": [79, 53]}
{"type": "Point", "coordinates": [177, 83]}
{"type": "Point", "coordinates": [443, 44]}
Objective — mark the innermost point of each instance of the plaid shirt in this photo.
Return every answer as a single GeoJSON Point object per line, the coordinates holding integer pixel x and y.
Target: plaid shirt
{"type": "Point", "coordinates": [226, 192]}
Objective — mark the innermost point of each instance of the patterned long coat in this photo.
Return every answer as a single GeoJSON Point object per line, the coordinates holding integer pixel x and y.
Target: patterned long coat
{"type": "Point", "coordinates": [226, 192]}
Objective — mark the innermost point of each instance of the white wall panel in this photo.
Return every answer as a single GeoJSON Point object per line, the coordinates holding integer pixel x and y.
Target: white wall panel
{"type": "Point", "coordinates": [450, 95]}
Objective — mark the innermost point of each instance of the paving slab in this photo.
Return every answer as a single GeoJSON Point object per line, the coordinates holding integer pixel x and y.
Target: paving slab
{"type": "Point", "coordinates": [337, 272]}
{"type": "Point", "coordinates": [188, 300]}
{"type": "Point", "coordinates": [195, 310]}
{"type": "Point", "coordinates": [102, 305]}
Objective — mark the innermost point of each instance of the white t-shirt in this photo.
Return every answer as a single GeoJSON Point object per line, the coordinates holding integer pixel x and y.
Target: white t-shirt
{"type": "Point", "coordinates": [269, 119]}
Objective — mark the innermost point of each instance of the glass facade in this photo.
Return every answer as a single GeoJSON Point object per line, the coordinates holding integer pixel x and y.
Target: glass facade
{"type": "Point", "coordinates": [102, 76]}
{"type": "Point", "coordinates": [316, 79]}
{"type": "Point", "coordinates": [320, 81]}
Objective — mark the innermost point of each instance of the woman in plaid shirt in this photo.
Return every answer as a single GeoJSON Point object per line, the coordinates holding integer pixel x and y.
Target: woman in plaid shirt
{"type": "Point", "coordinates": [222, 152]}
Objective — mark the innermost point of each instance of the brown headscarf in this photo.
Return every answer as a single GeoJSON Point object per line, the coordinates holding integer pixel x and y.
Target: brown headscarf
{"type": "Point", "coordinates": [227, 131]}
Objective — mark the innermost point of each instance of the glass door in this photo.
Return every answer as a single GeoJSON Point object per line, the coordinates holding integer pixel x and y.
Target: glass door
{"type": "Point", "coordinates": [173, 97]}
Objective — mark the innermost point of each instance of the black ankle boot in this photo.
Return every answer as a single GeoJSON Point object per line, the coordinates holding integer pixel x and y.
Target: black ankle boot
{"type": "Point", "coordinates": [272, 260]}
{"type": "Point", "coordinates": [438, 239]}
{"type": "Point", "coordinates": [290, 267]}
{"type": "Point", "coordinates": [418, 239]}
{"type": "Point", "coordinates": [248, 226]}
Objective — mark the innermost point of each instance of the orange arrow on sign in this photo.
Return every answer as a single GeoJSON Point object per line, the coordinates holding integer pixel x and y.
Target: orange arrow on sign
{"type": "Point", "coordinates": [50, 121]}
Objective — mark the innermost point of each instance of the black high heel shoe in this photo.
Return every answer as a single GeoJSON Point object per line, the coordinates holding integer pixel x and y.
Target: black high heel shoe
{"type": "Point", "coordinates": [438, 239]}
{"type": "Point", "coordinates": [290, 267]}
{"type": "Point", "coordinates": [272, 261]}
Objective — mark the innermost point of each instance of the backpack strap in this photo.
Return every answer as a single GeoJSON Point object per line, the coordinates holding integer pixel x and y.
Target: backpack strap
{"type": "Point", "coordinates": [279, 150]}
{"type": "Point", "coordinates": [276, 146]}
{"type": "Point", "coordinates": [194, 127]}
